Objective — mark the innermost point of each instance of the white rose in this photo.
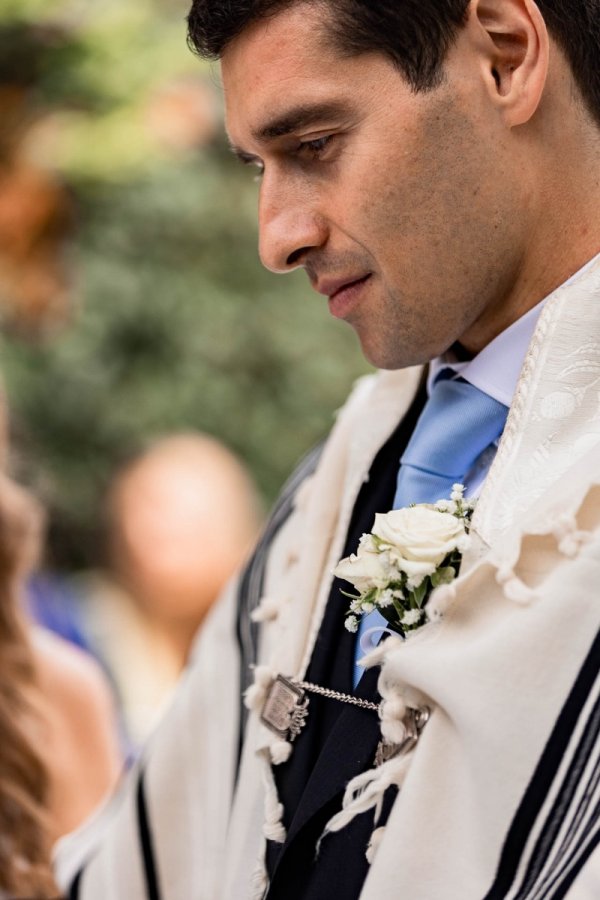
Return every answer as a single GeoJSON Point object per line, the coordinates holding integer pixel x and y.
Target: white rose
{"type": "Point", "coordinates": [366, 569]}
{"type": "Point", "coordinates": [418, 537]}
{"type": "Point", "coordinates": [366, 545]}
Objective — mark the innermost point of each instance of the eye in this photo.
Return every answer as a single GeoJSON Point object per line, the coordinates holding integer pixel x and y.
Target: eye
{"type": "Point", "coordinates": [315, 148]}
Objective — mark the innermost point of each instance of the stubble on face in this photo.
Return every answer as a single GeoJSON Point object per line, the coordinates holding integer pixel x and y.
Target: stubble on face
{"type": "Point", "coordinates": [418, 197]}
{"type": "Point", "coordinates": [444, 248]}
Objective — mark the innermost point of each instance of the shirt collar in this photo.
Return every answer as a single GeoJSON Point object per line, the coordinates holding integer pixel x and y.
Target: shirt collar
{"type": "Point", "coordinates": [496, 369]}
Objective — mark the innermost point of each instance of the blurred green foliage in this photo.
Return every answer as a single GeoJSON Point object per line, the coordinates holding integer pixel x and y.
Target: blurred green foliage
{"type": "Point", "coordinates": [174, 324]}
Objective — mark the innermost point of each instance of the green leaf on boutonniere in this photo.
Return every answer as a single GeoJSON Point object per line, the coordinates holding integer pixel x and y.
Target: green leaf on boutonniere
{"type": "Point", "coordinates": [443, 576]}
{"type": "Point", "coordinates": [417, 595]}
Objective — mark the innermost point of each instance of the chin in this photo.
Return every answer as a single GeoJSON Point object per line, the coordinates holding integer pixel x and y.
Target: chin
{"type": "Point", "coordinates": [390, 358]}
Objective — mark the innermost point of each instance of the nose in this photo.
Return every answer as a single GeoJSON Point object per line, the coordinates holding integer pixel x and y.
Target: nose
{"type": "Point", "coordinates": [290, 226]}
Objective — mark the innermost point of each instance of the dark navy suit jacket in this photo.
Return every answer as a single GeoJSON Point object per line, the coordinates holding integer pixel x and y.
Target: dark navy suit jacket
{"type": "Point", "coordinates": [339, 741]}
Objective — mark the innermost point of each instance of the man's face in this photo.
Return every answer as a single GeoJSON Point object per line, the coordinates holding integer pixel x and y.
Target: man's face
{"type": "Point", "coordinates": [400, 205]}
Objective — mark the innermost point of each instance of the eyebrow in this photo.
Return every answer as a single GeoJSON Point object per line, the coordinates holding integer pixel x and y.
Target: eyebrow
{"type": "Point", "coordinates": [295, 119]}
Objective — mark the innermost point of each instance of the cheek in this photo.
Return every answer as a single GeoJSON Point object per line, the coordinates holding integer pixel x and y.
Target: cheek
{"type": "Point", "coordinates": [425, 188]}
{"type": "Point", "coordinates": [433, 221]}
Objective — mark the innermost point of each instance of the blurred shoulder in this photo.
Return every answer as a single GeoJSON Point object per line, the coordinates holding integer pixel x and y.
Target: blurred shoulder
{"type": "Point", "coordinates": [69, 674]}
{"type": "Point", "coordinates": [79, 729]}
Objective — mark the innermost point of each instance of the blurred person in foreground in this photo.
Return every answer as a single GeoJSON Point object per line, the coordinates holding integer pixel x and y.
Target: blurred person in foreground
{"type": "Point", "coordinates": [58, 753]}
{"type": "Point", "coordinates": [181, 518]}
{"type": "Point", "coordinates": [435, 169]}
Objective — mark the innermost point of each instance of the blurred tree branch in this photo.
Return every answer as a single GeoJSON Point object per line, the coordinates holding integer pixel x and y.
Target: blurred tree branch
{"type": "Point", "coordinates": [172, 322]}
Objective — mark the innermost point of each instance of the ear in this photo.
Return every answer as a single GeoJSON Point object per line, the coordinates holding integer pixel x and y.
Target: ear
{"type": "Point", "coordinates": [513, 45]}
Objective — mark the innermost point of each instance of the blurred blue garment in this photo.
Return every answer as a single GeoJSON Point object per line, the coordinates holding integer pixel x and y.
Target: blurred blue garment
{"type": "Point", "coordinates": [51, 603]}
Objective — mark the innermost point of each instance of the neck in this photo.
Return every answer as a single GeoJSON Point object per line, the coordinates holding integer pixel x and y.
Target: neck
{"type": "Point", "coordinates": [171, 638]}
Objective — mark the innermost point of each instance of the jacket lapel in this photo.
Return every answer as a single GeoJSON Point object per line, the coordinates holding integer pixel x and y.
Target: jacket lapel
{"type": "Point", "coordinates": [350, 748]}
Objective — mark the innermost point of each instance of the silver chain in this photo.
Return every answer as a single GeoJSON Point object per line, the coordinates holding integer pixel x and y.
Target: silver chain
{"type": "Point", "coordinates": [336, 695]}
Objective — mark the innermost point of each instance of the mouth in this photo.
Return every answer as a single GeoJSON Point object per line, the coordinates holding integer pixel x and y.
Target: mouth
{"type": "Point", "coordinates": [343, 294]}
{"type": "Point", "coordinates": [344, 299]}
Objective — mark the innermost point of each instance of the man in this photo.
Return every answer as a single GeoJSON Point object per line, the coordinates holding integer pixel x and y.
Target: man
{"type": "Point", "coordinates": [434, 168]}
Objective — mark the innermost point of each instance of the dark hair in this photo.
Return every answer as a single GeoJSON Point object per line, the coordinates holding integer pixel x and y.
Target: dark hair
{"type": "Point", "coordinates": [416, 34]}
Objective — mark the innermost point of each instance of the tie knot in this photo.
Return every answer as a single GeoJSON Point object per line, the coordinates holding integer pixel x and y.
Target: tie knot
{"type": "Point", "coordinates": [457, 424]}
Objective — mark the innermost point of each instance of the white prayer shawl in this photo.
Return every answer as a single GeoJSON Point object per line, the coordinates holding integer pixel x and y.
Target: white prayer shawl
{"type": "Point", "coordinates": [496, 669]}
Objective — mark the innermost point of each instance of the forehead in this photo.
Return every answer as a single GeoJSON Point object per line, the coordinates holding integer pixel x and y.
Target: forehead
{"type": "Point", "coordinates": [291, 38]}
{"type": "Point", "coordinates": [285, 61]}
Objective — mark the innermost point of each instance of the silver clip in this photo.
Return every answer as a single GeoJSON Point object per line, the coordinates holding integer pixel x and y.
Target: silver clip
{"type": "Point", "coordinates": [414, 722]}
{"type": "Point", "coordinates": [285, 709]}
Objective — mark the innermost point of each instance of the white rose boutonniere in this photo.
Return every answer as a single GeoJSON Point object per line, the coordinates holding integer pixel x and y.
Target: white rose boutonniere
{"type": "Point", "coordinates": [410, 552]}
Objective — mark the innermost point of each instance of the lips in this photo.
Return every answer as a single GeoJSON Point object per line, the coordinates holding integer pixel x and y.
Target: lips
{"type": "Point", "coordinates": [346, 296]}
{"type": "Point", "coordinates": [330, 287]}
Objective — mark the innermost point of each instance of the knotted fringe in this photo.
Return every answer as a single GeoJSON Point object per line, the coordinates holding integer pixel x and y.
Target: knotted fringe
{"type": "Point", "coordinates": [570, 538]}
{"type": "Point", "coordinates": [392, 712]}
{"type": "Point", "coordinates": [439, 602]}
{"type": "Point", "coordinates": [366, 792]}
{"type": "Point", "coordinates": [376, 656]}
{"type": "Point", "coordinates": [256, 695]}
{"type": "Point", "coordinates": [277, 752]}
{"type": "Point", "coordinates": [259, 881]}
{"type": "Point", "coordinates": [273, 827]}
{"type": "Point", "coordinates": [280, 752]}
{"type": "Point", "coordinates": [254, 699]}
{"type": "Point", "coordinates": [513, 588]}
{"type": "Point", "coordinates": [267, 610]}
{"type": "Point", "coordinates": [374, 843]}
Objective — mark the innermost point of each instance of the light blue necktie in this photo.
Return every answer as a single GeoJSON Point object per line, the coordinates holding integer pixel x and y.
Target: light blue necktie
{"type": "Point", "coordinates": [457, 424]}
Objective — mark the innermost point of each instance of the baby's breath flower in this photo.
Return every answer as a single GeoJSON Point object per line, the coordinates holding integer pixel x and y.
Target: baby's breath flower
{"type": "Point", "coordinates": [463, 543]}
{"type": "Point", "coordinates": [368, 606]}
{"type": "Point", "coordinates": [415, 582]}
{"type": "Point", "coordinates": [411, 617]}
{"type": "Point", "coordinates": [351, 624]}
{"type": "Point", "coordinates": [386, 598]}
{"type": "Point", "coordinates": [458, 491]}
